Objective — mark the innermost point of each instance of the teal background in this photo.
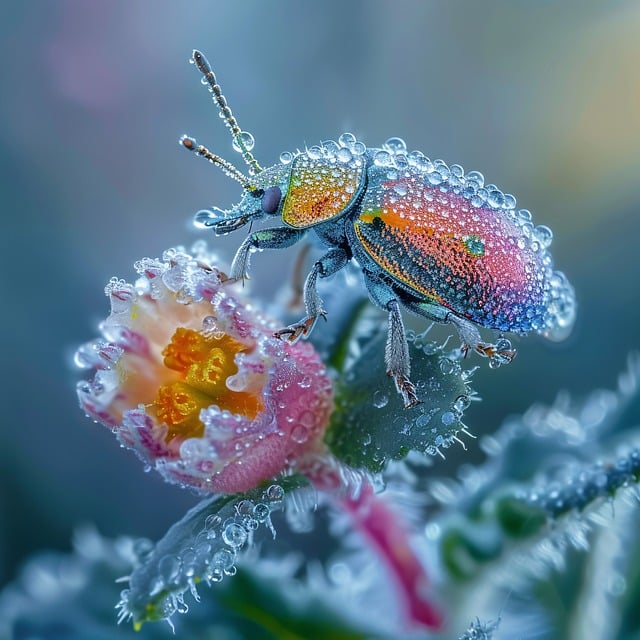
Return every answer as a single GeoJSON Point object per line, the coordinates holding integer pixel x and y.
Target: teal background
{"type": "Point", "coordinates": [542, 97]}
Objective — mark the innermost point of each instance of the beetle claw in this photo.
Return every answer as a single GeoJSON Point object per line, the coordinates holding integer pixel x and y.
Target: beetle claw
{"type": "Point", "coordinates": [491, 351]}
{"type": "Point", "coordinates": [225, 279]}
{"type": "Point", "coordinates": [406, 389]}
{"type": "Point", "coordinates": [294, 332]}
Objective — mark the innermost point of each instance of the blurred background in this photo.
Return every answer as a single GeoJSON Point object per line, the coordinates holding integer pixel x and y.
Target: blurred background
{"type": "Point", "coordinates": [543, 98]}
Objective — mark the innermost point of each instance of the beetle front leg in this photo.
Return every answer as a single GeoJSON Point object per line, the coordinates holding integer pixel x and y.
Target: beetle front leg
{"type": "Point", "coordinates": [274, 238]}
{"type": "Point", "coordinates": [467, 330]}
{"type": "Point", "coordinates": [329, 264]}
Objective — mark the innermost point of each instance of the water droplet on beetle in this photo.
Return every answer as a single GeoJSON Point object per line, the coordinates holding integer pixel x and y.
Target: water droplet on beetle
{"type": "Point", "coordinates": [346, 139]}
{"type": "Point", "coordinates": [396, 145]}
{"type": "Point", "coordinates": [243, 139]}
{"type": "Point", "coordinates": [382, 159]}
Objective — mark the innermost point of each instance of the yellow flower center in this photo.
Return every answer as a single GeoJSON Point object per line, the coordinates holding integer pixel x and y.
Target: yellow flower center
{"type": "Point", "coordinates": [205, 363]}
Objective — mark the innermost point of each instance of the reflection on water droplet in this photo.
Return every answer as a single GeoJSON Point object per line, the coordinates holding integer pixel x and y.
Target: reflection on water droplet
{"type": "Point", "coordinates": [448, 418]}
{"type": "Point", "coordinates": [234, 534]}
{"type": "Point", "coordinates": [382, 159]}
{"type": "Point", "coordinates": [380, 399]}
{"type": "Point", "coordinates": [299, 434]}
{"type": "Point", "coordinates": [244, 141]}
{"type": "Point", "coordinates": [275, 493]}
{"type": "Point", "coordinates": [261, 512]}
{"type": "Point", "coordinates": [346, 139]}
{"type": "Point", "coordinates": [396, 145]}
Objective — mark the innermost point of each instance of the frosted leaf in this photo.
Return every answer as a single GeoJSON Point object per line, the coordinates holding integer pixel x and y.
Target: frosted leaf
{"type": "Point", "coordinates": [370, 426]}
{"type": "Point", "coordinates": [202, 547]}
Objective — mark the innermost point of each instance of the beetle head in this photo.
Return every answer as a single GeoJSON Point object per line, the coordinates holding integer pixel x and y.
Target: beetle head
{"type": "Point", "coordinates": [263, 197]}
{"type": "Point", "coordinates": [264, 189]}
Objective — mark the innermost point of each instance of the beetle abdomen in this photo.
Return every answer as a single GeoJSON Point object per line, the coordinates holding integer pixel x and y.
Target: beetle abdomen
{"type": "Point", "coordinates": [452, 243]}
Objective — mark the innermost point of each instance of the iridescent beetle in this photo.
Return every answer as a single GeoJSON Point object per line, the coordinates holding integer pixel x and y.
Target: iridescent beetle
{"type": "Point", "coordinates": [428, 237]}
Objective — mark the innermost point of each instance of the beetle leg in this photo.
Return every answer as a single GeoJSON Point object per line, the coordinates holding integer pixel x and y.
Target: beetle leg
{"type": "Point", "coordinates": [467, 330]}
{"type": "Point", "coordinates": [396, 356]}
{"type": "Point", "coordinates": [396, 353]}
{"type": "Point", "coordinates": [470, 337]}
{"type": "Point", "coordinates": [274, 238]}
{"type": "Point", "coordinates": [330, 263]}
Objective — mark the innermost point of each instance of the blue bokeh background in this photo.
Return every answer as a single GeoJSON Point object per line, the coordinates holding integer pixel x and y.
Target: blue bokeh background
{"type": "Point", "coordinates": [542, 97]}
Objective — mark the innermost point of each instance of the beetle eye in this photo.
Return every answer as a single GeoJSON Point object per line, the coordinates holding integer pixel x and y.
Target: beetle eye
{"type": "Point", "coordinates": [271, 199]}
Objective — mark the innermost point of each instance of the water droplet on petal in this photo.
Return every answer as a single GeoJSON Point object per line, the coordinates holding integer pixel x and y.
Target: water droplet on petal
{"type": "Point", "coordinates": [299, 434]}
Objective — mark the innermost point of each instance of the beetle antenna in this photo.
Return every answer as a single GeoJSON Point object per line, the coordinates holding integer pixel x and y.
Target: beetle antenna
{"type": "Point", "coordinates": [226, 166]}
{"type": "Point", "coordinates": [239, 137]}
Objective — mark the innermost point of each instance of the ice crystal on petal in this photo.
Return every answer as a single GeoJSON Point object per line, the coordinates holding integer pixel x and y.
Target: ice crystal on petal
{"type": "Point", "coordinates": [191, 379]}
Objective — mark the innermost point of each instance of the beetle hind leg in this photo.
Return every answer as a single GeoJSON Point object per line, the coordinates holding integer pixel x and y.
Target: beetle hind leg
{"type": "Point", "coordinates": [498, 353]}
{"type": "Point", "coordinates": [329, 264]}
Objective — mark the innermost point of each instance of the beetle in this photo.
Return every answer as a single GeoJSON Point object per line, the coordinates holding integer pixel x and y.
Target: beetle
{"type": "Point", "coordinates": [427, 237]}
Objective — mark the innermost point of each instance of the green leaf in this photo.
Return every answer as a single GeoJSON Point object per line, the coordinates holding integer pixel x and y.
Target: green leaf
{"type": "Point", "coordinates": [202, 547]}
{"type": "Point", "coordinates": [370, 426]}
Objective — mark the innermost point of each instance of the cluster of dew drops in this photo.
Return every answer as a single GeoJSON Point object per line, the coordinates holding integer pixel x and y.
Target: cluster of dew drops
{"type": "Point", "coordinates": [394, 155]}
{"type": "Point", "coordinates": [211, 555]}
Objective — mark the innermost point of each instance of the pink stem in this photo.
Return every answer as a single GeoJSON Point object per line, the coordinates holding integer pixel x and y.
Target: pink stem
{"type": "Point", "coordinates": [385, 533]}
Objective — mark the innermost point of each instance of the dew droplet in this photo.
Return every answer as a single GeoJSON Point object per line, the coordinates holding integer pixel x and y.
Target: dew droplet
{"type": "Point", "coordinates": [286, 157]}
{"type": "Point", "coordinates": [476, 177]}
{"type": "Point", "coordinates": [382, 159]}
{"type": "Point", "coordinates": [380, 399]}
{"type": "Point", "coordinates": [234, 534]}
{"type": "Point", "coordinates": [346, 139]}
{"type": "Point", "coordinates": [223, 559]}
{"type": "Point", "coordinates": [300, 434]}
{"type": "Point", "coordinates": [208, 217]}
{"type": "Point", "coordinates": [396, 145]}
{"type": "Point", "coordinates": [401, 189]}
{"type": "Point", "coordinates": [212, 522]}
{"type": "Point", "coordinates": [244, 141]}
{"type": "Point", "coordinates": [261, 511]}
{"type": "Point", "coordinates": [448, 418]}
{"type": "Point", "coordinates": [344, 155]}
{"type": "Point", "coordinates": [245, 507]}
{"type": "Point", "coordinates": [543, 235]}
{"type": "Point", "coordinates": [275, 493]}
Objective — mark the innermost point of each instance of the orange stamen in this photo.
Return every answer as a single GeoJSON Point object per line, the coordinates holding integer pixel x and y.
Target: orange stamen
{"type": "Point", "coordinates": [205, 363]}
